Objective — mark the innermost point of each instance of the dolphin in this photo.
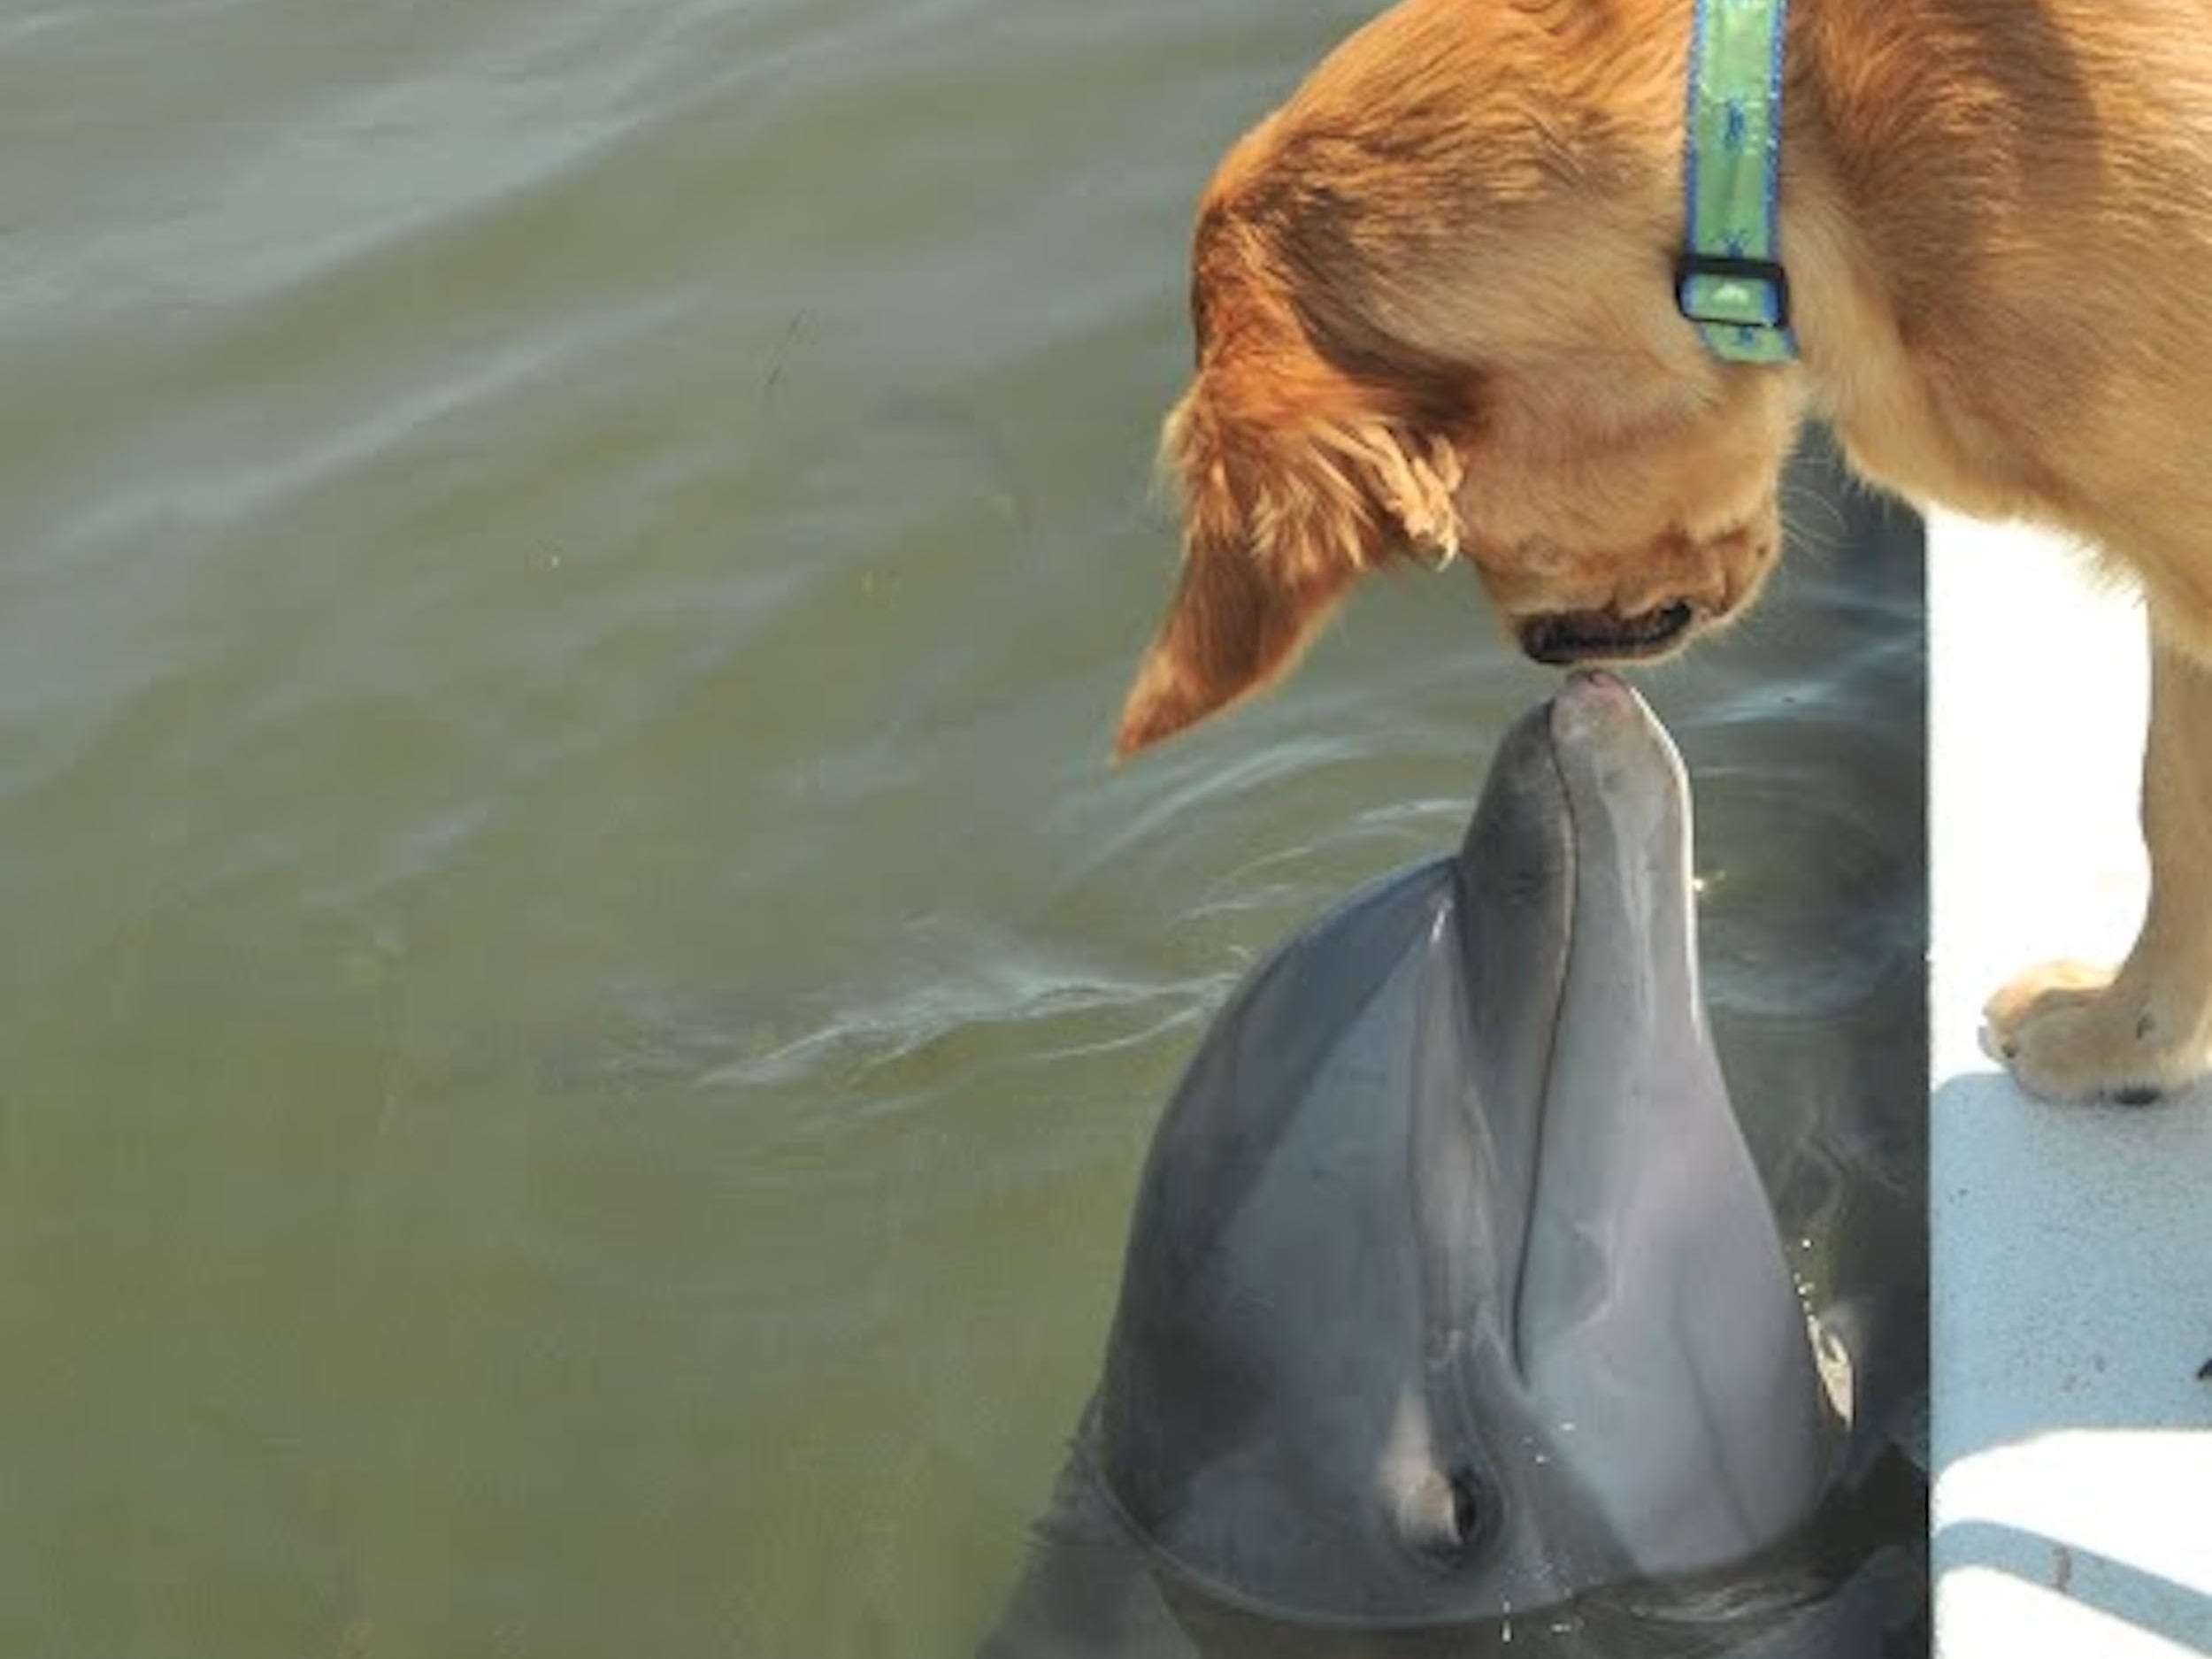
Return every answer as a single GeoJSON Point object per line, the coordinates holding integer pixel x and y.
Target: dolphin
{"type": "Point", "coordinates": [1452, 1293]}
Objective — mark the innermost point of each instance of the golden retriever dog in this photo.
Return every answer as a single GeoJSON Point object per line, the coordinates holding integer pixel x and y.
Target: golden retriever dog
{"type": "Point", "coordinates": [1435, 314]}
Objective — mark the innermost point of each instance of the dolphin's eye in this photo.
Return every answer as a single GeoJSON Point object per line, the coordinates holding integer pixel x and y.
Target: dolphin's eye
{"type": "Point", "coordinates": [1449, 1515]}
{"type": "Point", "coordinates": [1470, 1508]}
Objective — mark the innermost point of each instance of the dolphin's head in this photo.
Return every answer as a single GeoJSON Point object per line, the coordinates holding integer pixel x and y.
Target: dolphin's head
{"type": "Point", "coordinates": [1452, 1290]}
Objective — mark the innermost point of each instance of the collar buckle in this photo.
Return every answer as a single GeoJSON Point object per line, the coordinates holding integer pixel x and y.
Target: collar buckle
{"type": "Point", "coordinates": [1724, 291]}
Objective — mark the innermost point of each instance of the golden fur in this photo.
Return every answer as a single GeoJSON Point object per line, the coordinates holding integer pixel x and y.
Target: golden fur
{"type": "Point", "coordinates": [1435, 316]}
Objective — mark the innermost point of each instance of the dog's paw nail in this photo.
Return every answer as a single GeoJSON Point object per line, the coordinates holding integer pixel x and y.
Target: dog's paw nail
{"type": "Point", "coordinates": [2204, 1371]}
{"type": "Point", "coordinates": [2138, 1096]}
{"type": "Point", "coordinates": [2011, 1051]}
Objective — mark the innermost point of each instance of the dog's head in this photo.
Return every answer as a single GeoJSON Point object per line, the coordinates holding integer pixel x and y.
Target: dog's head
{"type": "Point", "coordinates": [1433, 308]}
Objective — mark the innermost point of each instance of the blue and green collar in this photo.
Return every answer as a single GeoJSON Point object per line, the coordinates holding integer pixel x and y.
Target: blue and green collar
{"type": "Point", "coordinates": [1729, 281]}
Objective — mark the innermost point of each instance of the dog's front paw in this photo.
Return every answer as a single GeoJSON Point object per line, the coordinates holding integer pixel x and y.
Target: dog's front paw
{"type": "Point", "coordinates": [2073, 1033]}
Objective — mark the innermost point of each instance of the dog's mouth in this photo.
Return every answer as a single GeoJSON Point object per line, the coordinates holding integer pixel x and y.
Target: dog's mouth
{"type": "Point", "coordinates": [1566, 638]}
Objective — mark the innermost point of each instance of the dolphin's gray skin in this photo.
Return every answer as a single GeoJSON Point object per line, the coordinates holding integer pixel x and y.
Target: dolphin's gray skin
{"type": "Point", "coordinates": [1452, 1287]}
{"type": "Point", "coordinates": [1452, 1293]}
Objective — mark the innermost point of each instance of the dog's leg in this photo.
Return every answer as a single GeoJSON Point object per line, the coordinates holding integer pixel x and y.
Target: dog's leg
{"type": "Point", "coordinates": [2073, 1033]}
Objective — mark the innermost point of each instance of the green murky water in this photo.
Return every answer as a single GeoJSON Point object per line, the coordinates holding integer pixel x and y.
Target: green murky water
{"type": "Point", "coordinates": [578, 1008]}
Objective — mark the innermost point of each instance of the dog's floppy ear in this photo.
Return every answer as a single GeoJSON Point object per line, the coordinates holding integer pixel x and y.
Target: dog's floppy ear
{"type": "Point", "coordinates": [1283, 508]}
{"type": "Point", "coordinates": [1233, 626]}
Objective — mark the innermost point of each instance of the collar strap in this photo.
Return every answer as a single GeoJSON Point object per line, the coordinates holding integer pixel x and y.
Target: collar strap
{"type": "Point", "coordinates": [1729, 281]}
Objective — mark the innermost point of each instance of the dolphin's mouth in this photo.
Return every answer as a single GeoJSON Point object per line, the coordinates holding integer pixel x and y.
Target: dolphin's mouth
{"type": "Point", "coordinates": [1565, 638]}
